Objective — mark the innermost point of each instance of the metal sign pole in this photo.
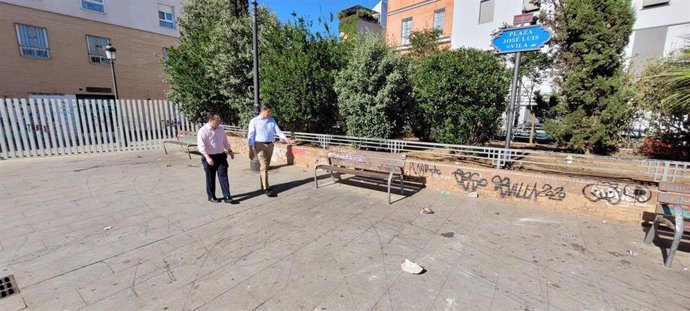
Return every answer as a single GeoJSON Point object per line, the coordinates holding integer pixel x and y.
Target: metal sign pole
{"type": "Point", "coordinates": [254, 163]}
{"type": "Point", "coordinates": [510, 115]}
{"type": "Point", "coordinates": [517, 40]}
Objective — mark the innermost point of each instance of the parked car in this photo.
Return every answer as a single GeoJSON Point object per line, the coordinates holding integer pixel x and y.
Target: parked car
{"type": "Point", "coordinates": [521, 133]}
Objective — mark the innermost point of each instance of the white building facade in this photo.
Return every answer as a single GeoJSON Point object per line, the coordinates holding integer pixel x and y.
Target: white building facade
{"type": "Point", "coordinates": [661, 28]}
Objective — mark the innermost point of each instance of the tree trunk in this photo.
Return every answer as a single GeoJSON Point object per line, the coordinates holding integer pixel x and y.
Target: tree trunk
{"type": "Point", "coordinates": [531, 132]}
{"type": "Point", "coordinates": [533, 117]}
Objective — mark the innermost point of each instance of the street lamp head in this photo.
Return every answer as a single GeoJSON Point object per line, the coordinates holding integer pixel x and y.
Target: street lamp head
{"type": "Point", "coordinates": [110, 51]}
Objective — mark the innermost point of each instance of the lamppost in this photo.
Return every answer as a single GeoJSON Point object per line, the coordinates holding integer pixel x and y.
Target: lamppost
{"type": "Point", "coordinates": [110, 55]}
{"type": "Point", "coordinates": [254, 163]}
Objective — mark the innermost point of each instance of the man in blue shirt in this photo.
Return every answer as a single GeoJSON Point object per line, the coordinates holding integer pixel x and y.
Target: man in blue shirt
{"type": "Point", "coordinates": [261, 134]}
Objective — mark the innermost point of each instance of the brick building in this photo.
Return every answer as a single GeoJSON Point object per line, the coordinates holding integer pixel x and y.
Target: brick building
{"type": "Point", "coordinates": [54, 48]}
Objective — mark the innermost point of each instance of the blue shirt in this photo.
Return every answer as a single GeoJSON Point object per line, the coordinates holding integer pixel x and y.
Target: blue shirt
{"type": "Point", "coordinates": [263, 130]}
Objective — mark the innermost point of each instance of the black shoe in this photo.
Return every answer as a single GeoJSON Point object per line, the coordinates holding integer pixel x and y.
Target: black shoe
{"type": "Point", "coordinates": [231, 201]}
{"type": "Point", "coordinates": [270, 193]}
{"type": "Point", "coordinates": [214, 200]}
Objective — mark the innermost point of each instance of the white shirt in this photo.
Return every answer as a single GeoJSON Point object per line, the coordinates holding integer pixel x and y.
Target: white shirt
{"type": "Point", "coordinates": [263, 130]}
{"type": "Point", "coordinates": [212, 141]}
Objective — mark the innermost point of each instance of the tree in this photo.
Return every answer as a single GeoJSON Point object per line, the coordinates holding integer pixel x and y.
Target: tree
{"type": "Point", "coordinates": [543, 103]}
{"type": "Point", "coordinates": [424, 43]}
{"type": "Point", "coordinates": [663, 92]}
{"type": "Point", "coordinates": [374, 90]}
{"type": "Point", "coordinates": [676, 78]}
{"type": "Point", "coordinates": [185, 68]}
{"type": "Point", "coordinates": [463, 94]}
{"type": "Point", "coordinates": [534, 66]}
{"type": "Point", "coordinates": [298, 72]}
{"type": "Point", "coordinates": [211, 68]}
{"type": "Point", "coordinates": [588, 43]}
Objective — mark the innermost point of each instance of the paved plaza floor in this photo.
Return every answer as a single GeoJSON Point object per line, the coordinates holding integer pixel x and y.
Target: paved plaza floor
{"type": "Point", "coordinates": [133, 230]}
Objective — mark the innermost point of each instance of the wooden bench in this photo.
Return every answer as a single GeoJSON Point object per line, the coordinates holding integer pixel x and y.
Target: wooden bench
{"type": "Point", "coordinates": [185, 140]}
{"type": "Point", "coordinates": [376, 165]}
{"type": "Point", "coordinates": [671, 213]}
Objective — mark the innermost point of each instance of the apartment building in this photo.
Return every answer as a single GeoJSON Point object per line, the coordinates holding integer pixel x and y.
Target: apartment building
{"type": "Point", "coordinates": [54, 48]}
{"type": "Point", "coordinates": [406, 16]}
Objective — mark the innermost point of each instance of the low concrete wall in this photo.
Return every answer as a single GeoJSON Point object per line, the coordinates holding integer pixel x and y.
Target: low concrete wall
{"type": "Point", "coordinates": [624, 201]}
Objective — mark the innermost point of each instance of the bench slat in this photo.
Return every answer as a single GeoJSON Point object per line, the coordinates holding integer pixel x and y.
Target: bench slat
{"type": "Point", "coordinates": [674, 198]}
{"type": "Point", "coordinates": [667, 210]}
{"type": "Point", "coordinates": [358, 172]}
{"type": "Point", "coordinates": [674, 187]}
{"type": "Point", "coordinates": [371, 160]}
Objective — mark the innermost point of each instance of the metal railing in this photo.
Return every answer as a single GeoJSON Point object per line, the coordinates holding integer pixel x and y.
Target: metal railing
{"type": "Point", "coordinates": [516, 159]}
{"type": "Point", "coordinates": [53, 127]}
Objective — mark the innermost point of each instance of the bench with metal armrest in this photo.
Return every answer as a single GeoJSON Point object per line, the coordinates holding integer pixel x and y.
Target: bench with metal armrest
{"type": "Point", "coordinates": [671, 212]}
{"type": "Point", "coordinates": [185, 140]}
{"type": "Point", "coordinates": [375, 165]}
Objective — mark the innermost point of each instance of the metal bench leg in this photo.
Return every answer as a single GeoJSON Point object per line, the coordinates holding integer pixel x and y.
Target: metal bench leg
{"type": "Point", "coordinates": [402, 185]}
{"type": "Point", "coordinates": [166, 149]}
{"type": "Point", "coordinates": [390, 179]}
{"type": "Point", "coordinates": [651, 234]}
{"type": "Point", "coordinates": [678, 211]}
{"type": "Point", "coordinates": [316, 180]}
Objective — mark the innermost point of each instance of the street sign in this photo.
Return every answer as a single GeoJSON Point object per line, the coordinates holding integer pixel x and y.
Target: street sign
{"type": "Point", "coordinates": [521, 39]}
{"type": "Point", "coordinates": [523, 19]}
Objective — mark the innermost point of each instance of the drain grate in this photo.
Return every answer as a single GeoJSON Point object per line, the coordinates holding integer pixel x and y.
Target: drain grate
{"type": "Point", "coordinates": [8, 286]}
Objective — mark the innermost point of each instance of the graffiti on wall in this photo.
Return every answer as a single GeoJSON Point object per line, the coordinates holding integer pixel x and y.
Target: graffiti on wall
{"type": "Point", "coordinates": [506, 188]}
{"type": "Point", "coordinates": [615, 193]}
{"type": "Point", "coordinates": [424, 169]}
{"type": "Point", "coordinates": [469, 181]}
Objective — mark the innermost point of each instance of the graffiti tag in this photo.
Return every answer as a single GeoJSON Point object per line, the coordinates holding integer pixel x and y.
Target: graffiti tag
{"type": "Point", "coordinates": [505, 188]}
{"type": "Point", "coordinates": [614, 193]}
{"type": "Point", "coordinates": [469, 181]}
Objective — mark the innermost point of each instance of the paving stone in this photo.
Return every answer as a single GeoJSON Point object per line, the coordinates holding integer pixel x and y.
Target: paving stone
{"type": "Point", "coordinates": [338, 247]}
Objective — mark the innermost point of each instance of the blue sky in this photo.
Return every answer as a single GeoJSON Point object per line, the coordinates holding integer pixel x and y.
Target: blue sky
{"type": "Point", "coordinates": [312, 9]}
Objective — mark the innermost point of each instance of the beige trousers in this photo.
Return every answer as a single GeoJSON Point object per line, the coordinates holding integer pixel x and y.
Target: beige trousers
{"type": "Point", "coordinates": [264, 153]}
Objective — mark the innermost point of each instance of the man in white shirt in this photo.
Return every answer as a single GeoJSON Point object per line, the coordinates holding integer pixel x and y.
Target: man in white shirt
{"type": "Point", "coordinates": [261, 134]}
{"type": "Point", "coordinates": [215, 148]}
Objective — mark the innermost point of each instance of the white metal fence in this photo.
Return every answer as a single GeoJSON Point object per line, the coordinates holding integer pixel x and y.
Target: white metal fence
{"type": "Point", "coordinates": [46, 127]}
{"type": "Point", "coordinates": [518, 159]}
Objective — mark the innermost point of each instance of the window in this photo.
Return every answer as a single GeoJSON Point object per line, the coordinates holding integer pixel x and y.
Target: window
{"type": "Point", "coordinates": [530, 5]}
{"type": "Point", "coordinates": [96, 51]}
{"type": "Point", "coordinates": [33, 41]}
{"type": "Point", "coordinates": [93, 5]}
{"type": "Point", "coordinates": [652, 3]}
{"type": "Point", "coordinates": [439, 20]}
{"type": "Point", "coordinates": [486, 11]}
{"type": "Point", "coordinates": [406, 31]}
{"type": "Point", "coordinates": [166, 16]}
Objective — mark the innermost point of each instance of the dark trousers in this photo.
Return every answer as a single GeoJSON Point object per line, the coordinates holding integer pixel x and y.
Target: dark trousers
{"type": "Point", "coordinates": [220, 166]}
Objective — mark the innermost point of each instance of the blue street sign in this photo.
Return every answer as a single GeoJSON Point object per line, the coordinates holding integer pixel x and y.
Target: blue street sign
{"type": "Point", "coordinates": [521, 39]}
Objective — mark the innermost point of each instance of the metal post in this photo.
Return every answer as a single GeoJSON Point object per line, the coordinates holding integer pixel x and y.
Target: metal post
{"type": "Point", "coordinates": [112, 67]}
{"type": "Point", "coordinates": [510, 113]}
{"type": "Point", "coordinates": [256, 60]}
{"type": "Point", "coordinates": [254, 163]}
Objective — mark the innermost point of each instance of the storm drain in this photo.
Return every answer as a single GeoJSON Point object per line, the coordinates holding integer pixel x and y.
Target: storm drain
{"type": "Point", "coordinates": [8, 286]}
